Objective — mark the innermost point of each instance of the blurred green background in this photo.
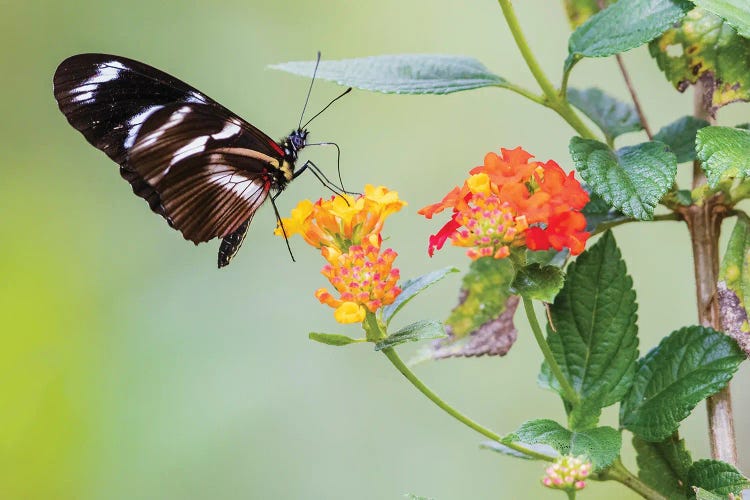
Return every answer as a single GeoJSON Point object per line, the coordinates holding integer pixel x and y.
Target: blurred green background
{"type": "Point", "coordinates": [131, 368]}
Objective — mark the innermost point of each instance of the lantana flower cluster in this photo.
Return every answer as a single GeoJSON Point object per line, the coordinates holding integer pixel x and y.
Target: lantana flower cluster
{"type": "Point", "coordinates": [347, 231]}
{"type": "Point", "coordinates": [567, 473]}
{"type": "Point", "coordinates": [509, 202]}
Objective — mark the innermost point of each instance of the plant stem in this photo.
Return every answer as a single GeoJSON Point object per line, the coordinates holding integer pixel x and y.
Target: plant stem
{"type": "Point", "coordinates": [619, 473]}
{"type": "Point", "coordinates": [704, 224]}
{"type": "Point", "coordinates": [525, 93]}
{"type": "Point", "coordinates": [391, 354]}
{"type": "Point", "coordinates": [554, 101]}
{"type": "Point", "coordinates": [568, 392]}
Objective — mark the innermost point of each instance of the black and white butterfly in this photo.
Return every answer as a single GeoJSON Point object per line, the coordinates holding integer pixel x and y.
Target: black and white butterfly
{"type": "Point", "coordinates": [197, 164]}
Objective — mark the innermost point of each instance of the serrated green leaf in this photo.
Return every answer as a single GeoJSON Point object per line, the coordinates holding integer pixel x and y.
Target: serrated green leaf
{"type": "Point", "coordinates": [735, 12]}
{"type": "Point", "coordinates": [680, 137]}
{"type": "Point", "coordinates": [539, 282]}
{"type": "Point", "coordinates": [632, 179]}
{"type": "Point", "coordinates": [412, 288]}
{"type": "Point", "coordinates": [421, 330]}
{"type": "Point", "coordinates": [505, 450]}
{"type": "Point", "coordinates": [600, 445]}
{"type": "Point", "coordinates": [664, 465]}
{"type": "Point", "coordinates": [717, 477]}
{"type": "Point", "coordinates": [724, 153]}
{"type": "Point", "coordinates": [485, 289]}
{"type": "Point", "coordinates": [624, 26]}
{"type": "Point", "coordinates": [704, 48]}
{"type": "Point", "coordinates": [701, 494]}
{"type": "Point", "coordinates": [333, 339]}
{"type": "Point", "coordinates": [492, 338]}
{"type": "Point", "coordinates": [402, 74]}
{"type": "Point", "coordinates": [686, 367]}
{"type": "Point", "coordinates": [613, 117]}
{"type": "Point", "coordinates": [595, 340]}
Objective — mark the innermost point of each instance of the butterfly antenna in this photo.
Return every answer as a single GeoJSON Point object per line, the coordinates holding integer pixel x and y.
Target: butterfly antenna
{"type": "Point", "coordinates": [281, 223]}
{"type": "Point", "coordinates": [327, 106]}
{"type": "Point", "coordinates": [309, 91]}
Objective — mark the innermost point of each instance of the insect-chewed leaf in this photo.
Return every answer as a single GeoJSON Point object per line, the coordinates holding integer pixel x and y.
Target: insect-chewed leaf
{"type": "Point", "coordinates": [704, 48]}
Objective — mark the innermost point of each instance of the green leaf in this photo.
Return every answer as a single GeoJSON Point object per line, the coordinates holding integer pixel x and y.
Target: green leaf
{"type": "Point", "coordinates": [624, 26]}
{"type": "Point", "coordinates": [733, 288]}
{"type": "Point", "coordinates": [717, 477]}
{"type": "Point", "coordinates": [505, 450]}
{"type": "Point", "coordinates": [701, 494]}
{"type": "Point", "coordinates": [485, 289]}
{"type": "Point", "coordinates": [402, 74]}
{"type": "Point", "coordinates": [724, 153]}
{"type": "Point", "coordinates": [600, 445]}
{"type": "Point", "coordinates": [595, 342]}
{"type": "Point", "coordinates": [704, 48]}
{"type": "Point", "coordinates": [598, 212]}
{"type": "Point", "coordinates": [411, 289]}
{"type": "Point", "coordinates": [421, 330]}
{"type": "Point", "coordinates": [735, 12]}
{"type": "Point", "coordinates": [613, 117]}
{"type": "Point", "coordinates": [664, 465]}
{"type": "Point", "coordinates": [632, 179]}
{"type": "Point", "coordinates": [549, 257]}
{"type": "Point", "coordinates": [539, 282]}
{"type": "Point", "coordinates": [333, 339]}
{"type": "Point", "coordinates": [686, 367]}
{"type": "Point", "coordinates": [680, 137]}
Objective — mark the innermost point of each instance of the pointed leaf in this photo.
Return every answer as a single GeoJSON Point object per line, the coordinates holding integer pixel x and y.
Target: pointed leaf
{"type": "Point", "coordinates": [421, 330]}
{"type": "Point", "coordinates": [613, 117]}
{"type": "Point", "coordinates": [664, 465]}
{"type": "Point", "coordinates": [735, 12]}
{"type": "Point", "coordinates": [686, 367]}
{"type": "Point", "coordinates": [411, 289]}
{"type": "Point", "coordinates": [624, 26]}
{"type": "Point", "coordinates": [595, 338]}
{"type": "Point", "coordinates": [402, 74]}
{"type": "Point", "coordinates": [724, 153]}
{"type": "Point", "coordinates": [680, 137]}
{"type": "Point", "coordinates": [539, 282]}
{"type": "Point", "coordinates": [600, 445]}
{"type": "Point", "coordinates": [704, 48]}
{"type": "Point", "coordinates": [633, 179]}
{"type": "Point", "coordinates": [505, 450]}
{"type": "Point", "coordinates": [333, 339]}
{"type": "Point", "coordinates": [701, 494]}
{"type": "Point", "coordinates": [717, 477]}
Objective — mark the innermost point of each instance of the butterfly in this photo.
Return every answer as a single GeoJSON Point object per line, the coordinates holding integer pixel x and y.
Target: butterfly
{"type": "Point", "coordinates": [197, 164]}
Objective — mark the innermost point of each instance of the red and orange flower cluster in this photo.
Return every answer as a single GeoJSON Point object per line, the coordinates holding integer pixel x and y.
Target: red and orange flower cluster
{"type": "Point", "coordinates": [509, 202]}
{"type": "Point", "coordinates": [347, 232]}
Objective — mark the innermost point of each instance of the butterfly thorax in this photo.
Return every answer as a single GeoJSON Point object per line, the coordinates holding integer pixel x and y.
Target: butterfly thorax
{"type": "Point", "coordinates": [292, 145]}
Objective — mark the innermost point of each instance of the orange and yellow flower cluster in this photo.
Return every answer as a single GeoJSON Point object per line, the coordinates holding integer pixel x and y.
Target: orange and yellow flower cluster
{"type": "Point", "coordinates": [510, 201]}
{"type": "Point", "coordinates": [347, 232]}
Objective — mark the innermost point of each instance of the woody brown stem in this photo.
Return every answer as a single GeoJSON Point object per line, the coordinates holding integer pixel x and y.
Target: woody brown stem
{"type": "Point", "coordinates": [704, 224]}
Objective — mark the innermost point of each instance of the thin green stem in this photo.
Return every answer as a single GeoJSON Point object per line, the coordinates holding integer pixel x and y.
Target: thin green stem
{"type": "Point", "coordinates": [390, 353]}
{"type": "Point", "coordinates": [625, 220]}
{"type": "Point", "coordinates": [568, 392]}
{"type": "Point", "coordinates": [554, 101]}
{"type": "Point", "coordinates": [619, 473]}
{"type": "Point", "coordinates": [525, 93]}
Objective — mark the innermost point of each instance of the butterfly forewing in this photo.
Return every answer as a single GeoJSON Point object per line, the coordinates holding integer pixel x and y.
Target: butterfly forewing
{"type": "Point", "coordinates": [197, 164]}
